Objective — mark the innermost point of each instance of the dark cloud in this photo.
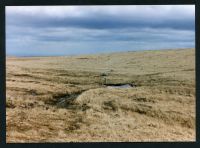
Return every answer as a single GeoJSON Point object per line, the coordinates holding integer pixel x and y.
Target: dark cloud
{"type": "Point", "coordinates": [101, 21]}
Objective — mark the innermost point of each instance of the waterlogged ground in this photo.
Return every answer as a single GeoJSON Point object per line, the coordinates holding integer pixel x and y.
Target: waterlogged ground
{"type": "Point", "coordinates": [131, 96]}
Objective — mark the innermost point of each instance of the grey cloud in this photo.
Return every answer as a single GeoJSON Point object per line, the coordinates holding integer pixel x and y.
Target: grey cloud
{"type": "Point", "coordinates": [103, 17]}
{"type": "Point", "coordinates": [101, 21]}
{"type": "Point", "coordinates": [92, 30]}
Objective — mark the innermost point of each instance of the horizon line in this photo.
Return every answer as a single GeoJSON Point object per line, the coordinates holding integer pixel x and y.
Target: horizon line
{"type": "Point", "coordinates": [98, 53]}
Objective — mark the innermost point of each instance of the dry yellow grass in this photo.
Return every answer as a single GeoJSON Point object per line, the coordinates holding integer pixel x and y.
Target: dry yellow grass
{"type": "Point", "coordinates": [160, 108]}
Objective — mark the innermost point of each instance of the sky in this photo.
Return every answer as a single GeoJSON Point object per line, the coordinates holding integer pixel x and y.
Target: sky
{"type": "Point", "coordinates": [74, 30]}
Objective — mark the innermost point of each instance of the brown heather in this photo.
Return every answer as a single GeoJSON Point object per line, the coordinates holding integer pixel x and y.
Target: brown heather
{"type": "Point", "coordinates": [161, 106]}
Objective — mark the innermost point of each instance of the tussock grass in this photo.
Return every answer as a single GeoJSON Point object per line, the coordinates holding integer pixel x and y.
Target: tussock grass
{"type": "Point", "coordinates": [63, 99]}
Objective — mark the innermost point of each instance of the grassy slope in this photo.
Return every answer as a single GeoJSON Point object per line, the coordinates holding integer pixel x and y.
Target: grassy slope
{"type": "Point", "coordinates": [160, 108]}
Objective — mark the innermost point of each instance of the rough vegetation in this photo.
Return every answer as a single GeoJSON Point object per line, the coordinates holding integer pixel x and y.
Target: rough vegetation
{"type": "Point", "coordinates": [64, 99]}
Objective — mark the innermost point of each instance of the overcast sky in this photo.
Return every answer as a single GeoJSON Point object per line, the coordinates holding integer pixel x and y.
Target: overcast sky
{"type": "Point", "coordinates": [70, 30]}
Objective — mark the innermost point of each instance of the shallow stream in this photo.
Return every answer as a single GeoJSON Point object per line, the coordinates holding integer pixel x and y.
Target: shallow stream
{"type": "Point", "coordinates": [120, 86]}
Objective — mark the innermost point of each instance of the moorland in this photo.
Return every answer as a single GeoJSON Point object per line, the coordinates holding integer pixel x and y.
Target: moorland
{"type": "Point", "coordinates": [125, 96]}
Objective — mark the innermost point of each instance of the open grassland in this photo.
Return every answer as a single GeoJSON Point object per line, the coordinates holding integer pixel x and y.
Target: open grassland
{"type": "Point", "coordinates": [63, 99]}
